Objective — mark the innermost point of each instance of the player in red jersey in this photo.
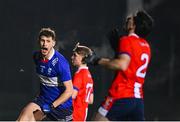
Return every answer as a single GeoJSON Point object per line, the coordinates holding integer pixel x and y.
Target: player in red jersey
{"type": "Point", "coordinates": [125, 97]}
{"type": "Point", "coordinates": [82, 83]}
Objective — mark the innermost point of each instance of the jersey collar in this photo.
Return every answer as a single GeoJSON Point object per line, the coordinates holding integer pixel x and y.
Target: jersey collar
{"type": "Point", "coordinates": [133, 34]}
{"type": "Point", "coordinates": [53, 51]}
{"type": "Point", "coordinates": [82, 67]}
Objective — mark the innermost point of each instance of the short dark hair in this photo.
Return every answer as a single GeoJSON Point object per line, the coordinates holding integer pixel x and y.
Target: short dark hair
{"type": "Point", "coordinates": [48, 32]}
{"type": "Point", "coordinates": [143, 22]}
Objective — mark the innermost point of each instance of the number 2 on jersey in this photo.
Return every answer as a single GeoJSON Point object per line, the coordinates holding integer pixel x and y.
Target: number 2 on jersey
{"type": "Point", "coordinates": [140, 72]}
{"type": "Point", "coordinates": [89, 87]}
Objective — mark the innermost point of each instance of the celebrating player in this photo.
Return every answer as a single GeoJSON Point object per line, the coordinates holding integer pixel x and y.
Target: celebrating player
{"type": "Point", "coordinates": [125, 97]}
{"type": "Point", "coordinates": [82, 83]}
{"type": "Point", "coordinates": [54, 102]}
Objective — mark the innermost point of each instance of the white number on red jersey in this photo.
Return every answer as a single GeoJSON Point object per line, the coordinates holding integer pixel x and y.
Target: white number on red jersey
{"type": "Point", "coordinates": [89, 87]}
{"type": "Point", "coordinates": [140, 72]}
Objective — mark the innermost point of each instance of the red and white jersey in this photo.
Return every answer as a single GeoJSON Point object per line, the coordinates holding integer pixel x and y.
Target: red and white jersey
{"type": "Point", "coordinates": [129, 83]}
{"type": "Point", "coordinates": [83, 83]}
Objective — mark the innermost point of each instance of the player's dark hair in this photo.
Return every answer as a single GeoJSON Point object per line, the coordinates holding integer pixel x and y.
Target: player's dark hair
{"type": "Point", "coordinates": [82, 50]}
{"type": "Point", "coordinates": [48, 32]}
{"type": "Point", "coordinates": [143, 22]}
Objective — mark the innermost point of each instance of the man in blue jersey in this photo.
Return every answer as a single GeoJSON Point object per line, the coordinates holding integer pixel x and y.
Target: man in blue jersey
{"type": "Point", "coordinates": [54, 102]}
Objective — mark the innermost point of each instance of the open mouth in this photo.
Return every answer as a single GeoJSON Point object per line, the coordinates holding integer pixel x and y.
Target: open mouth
{"type": "Point", "coordinates": [44, 49]}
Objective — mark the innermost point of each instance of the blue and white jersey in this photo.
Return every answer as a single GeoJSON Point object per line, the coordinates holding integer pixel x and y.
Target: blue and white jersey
{"type": "Point", "coordinates": [52, 73]}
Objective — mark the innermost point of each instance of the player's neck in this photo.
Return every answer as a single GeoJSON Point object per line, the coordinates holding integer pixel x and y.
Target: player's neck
{"type": "Point", "coordinates": [49, 55]}
{"type": "Point", "coordinates": [131, 32]}
{"type": "Point", "coordinates": [82, 65]}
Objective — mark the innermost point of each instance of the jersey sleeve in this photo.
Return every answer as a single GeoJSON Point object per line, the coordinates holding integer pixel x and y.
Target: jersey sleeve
{"type": "Point", "coordinates": [77, 81]}
{"type": "Point", "coordinates": [124, 46]}
{"type": "Point", "coordinates": [64, 70]}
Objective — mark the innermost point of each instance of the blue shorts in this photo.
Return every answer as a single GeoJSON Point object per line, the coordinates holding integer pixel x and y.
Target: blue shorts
{"type": "Point", "coordinates": [123, 109]}
{"type": "Point", "coordinates": [61, 114]}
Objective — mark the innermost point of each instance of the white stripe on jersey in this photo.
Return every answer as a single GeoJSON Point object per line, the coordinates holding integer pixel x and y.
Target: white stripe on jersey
{"type": "Point", "coordinates": [86, 114]}
{"type": "Point", "coordinates": [49, 81]}
{"type": "Point", "coordinates": [102, 111]}
{"type": "Point", "coordinates": [137, 87]}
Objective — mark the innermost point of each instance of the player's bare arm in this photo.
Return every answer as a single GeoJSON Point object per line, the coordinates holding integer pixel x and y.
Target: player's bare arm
{"type": "Point", "coordinates": [119, 63]}
{"type": "Point", "coordinates": [39, 115]}
{"type": "Point", "coordinates": [66, 94]}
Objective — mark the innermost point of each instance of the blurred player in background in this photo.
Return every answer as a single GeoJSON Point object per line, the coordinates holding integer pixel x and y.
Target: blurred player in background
{"type": "Point", "coordinates": [54, 102]}
{"type": "Point", "coordinates": [125, 97]}
{"type": "Point", "coordinates": [82, 83]}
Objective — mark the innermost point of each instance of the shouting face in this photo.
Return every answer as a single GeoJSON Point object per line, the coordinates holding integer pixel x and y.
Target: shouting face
{"type": "Point", "coordinates": [46, 46]}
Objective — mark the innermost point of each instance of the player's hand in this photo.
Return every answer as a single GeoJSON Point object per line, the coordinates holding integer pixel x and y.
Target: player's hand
{"type": "Point", "coordinates": [46, 108]}
{"type": "Point", "coordinates": [92, 59]}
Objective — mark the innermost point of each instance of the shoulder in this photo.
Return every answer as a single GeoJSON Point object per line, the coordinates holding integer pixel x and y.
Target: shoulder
{"type": "Point", "coordinates": [125, 39]}
{"type": "Point", "coordinates": [59, 58]}
{"type": "Point", "coordinates": [60, 62]}
{"type": "Point", "coordinates": [36, 55]}
{"type": "Point", "coordinates": [144, 43]}
{"type": "Point", "coordinates": [84, 73]}
{"type": "Point", "coordinates": [78, 72]}
{"type": "Point", "coordinates": [129, 40]}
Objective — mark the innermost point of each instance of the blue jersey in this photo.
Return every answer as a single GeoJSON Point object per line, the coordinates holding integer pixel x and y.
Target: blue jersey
{"type": "Point", "coordinates": [52, 73]}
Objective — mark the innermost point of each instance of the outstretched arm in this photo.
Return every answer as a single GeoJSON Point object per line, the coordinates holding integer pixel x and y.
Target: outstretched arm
{"type": "Point", "coordinates": [119, 63]}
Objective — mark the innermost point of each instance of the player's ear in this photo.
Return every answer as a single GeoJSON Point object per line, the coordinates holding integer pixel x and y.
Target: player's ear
{"type": "Point", "coordinates": [54, 43]}
{"type": "Point", "coordinates": [84, 59]}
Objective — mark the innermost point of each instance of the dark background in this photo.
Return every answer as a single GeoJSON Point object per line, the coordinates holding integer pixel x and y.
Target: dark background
{"type": "Point", "coordinates": [87, 21]}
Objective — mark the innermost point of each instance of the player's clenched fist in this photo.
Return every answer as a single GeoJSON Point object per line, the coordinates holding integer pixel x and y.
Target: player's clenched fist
{"type": "Point", "coordinates": [92, 59]}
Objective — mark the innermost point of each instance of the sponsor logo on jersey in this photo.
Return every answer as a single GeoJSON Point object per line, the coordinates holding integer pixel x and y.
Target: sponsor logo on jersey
{"type": "Point", "coordinates": [54, 62]}
{"type": "Point", "coordinates": [42, 68]}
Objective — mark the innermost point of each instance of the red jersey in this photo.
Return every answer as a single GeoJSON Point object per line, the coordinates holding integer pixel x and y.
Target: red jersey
{"type": "Point", "coordinates": [129, 83]}
{"type": "Point", "coordinates": [83, 83]}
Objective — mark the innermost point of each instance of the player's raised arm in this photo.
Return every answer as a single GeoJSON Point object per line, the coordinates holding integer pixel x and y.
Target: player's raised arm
{"type": "Point", "coordinates": [120, 63]}
{"type": "Point", "coordinates": [133, 55]}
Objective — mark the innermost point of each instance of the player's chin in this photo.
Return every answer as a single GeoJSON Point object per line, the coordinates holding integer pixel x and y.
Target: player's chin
{"type": "Point", "coordinates": [74, 63]}
{"type": "Point", "coordinates": [44, 53]}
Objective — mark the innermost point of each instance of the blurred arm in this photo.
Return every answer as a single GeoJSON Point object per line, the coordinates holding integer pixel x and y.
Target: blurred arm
{"type": "Point", "coordinates": [119, 63]}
